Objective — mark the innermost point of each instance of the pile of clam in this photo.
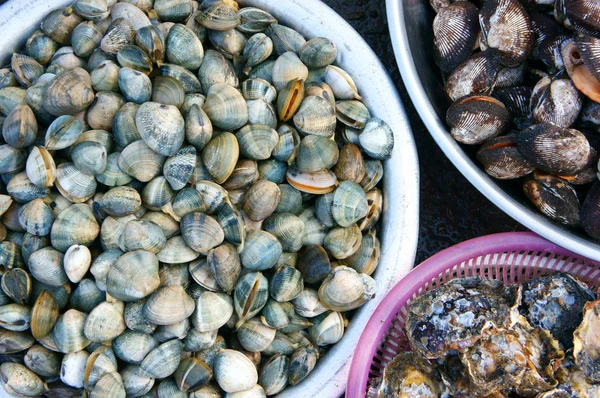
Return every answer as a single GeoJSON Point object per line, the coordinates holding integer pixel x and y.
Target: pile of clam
{"type": "Point", "coordinates": [524, 78]}
{"type": "Point", "coordinates": [477, 338]}
{"type": "Point", "coordinates": [188, 202]}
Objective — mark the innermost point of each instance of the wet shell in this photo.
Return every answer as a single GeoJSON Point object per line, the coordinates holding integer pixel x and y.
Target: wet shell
{"type": "Point", "coordinates": [188, 80]}
{"type": "Point", "coordinates": [555, 101]}
{"type": "Point", "coordinates": [77, 83]}
{"type": "Point", "coordinates": [73, 184]}
{"type": "Point", "coordinates": [216, 69]}
{"type": "Point", "coordinates": [161, 127]}
{"type": "Point", "coordinates": [44, 315]}
{"type": "Point", "coordinates": [343, 242]}
{"type": "Point", "coordinates": [345, 289]}
{"type": "Point", "coordinates": [133, 276]}
{"type": "Point", "coordinates": [318, 53]}
{"type": "Point", "coordinates": [261, 251]}
{"type": "Point", "coordinates": [225, 265]}
{"type": "Point", "coordinates": [316, 153]}
{"type": "Point", "coordinates": [476, 118]}
{"type": "Point", "coordinates": [244, 378]}
{"type": "Point", "coordinates": [226, 107]}
{"type": "Point", "coordinates": [20, 381]}
{"type": "Point", "coordinates": [287, 68]}
{"type": "Point", "coordinates": [11, 159]}
{"type": "Point", "coordinates": [40, 47]}
{"type": "Point", "coordinates": [318, 182]}
{"type": "Point", "coordinates": [20, 127]}
{"type": "Point", "coordinates": [254, 20]}
{"type": "Point", "coordinates": [168, 305]}
{"type": "Point", "coordinates": [256, 141]}
{"type": "Point", "coordinates": [59, 24]}
{"type": "Point", "coordinates": [261, 200]}
{"type": "Point", "coordinates": [455, 30]}
{"type": "Point", "coordinates": [201, 232]}
{"type": "Point", "coordinates": [140, 161]}
{"type": "Point", "coordinates": [474, 75]}
{"type": "Point", "coordinates": [74, 225]}
{"type": "Point", "coordinates": [213, 310]}
{"type": "Point", "coordinates": [184, 48]}
{"type": "Point", "coordinates": [506, 26]}
{"type": "Point", "coordinates": [553, 149]}
{"type": "Point", "coordinates": [316, 116]}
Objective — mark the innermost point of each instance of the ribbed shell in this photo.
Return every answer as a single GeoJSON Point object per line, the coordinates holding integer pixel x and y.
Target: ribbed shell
{"type": "Point", "coordinates": [119, 34]}
{"type": "Point", "coordinates": [579, 15]}
{"type": "Point", "coordinates": [455, 29]}
{"type": "Point", "coordinates": [213, 310]}
{"type": "Point", "coordinates": [506, 26]}
{"type": "Point", "coordinates": [476, 118]}
{"type": "Point", "coordinates": [113, 175]}
{"type": "Point", "coordinates": [515, 99]}
{"type": "Point", "coordinates": [46, 265]}
{"type": "Point", "coordinates": [316, 116]}
{"type": "Point", "coordinates": [555, 150]}
{"type": "Point", "coordinates": [133, 276]}
{"type": "Point", "coordinates": [201, 232]}
{"type": "Point", "coordinates": [501, 159]}
{"type": "Point", "coordinates": [140, 161]}
{"type": "Point", "coordinates": [474, 75]}
{"type": "Point", "coordinates": [161, 127]}
{"type": "Point", "coordinates": [590, 51]}
{"type": "Point", "coordinates": [169, 305]}
{"type": "Point", "coordinates": [184, 48]}
{"type": "Point", "coordinates": [261, 251]}
{"type": "Point", "coordinates": [105, 322]}
{"type": "Point", "coordinates": [73, 184]}
{"type": "Point", "coordinates": [556, 101]}
{"type": "Point", "coordinates": [554, 197]}
{"type": "Point", "coordinates": [75, 225]}
{"type": "Point", "coordinates": [220, 156]}
{"type": "Point", "coordinates": [226, 107]}
{"type": "Point", "coordinates": [176, 252]}
{"type": "Point", "coordinates": [70, 92]}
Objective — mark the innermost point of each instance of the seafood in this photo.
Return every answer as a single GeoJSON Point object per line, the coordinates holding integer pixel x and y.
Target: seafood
{"type": "Point", "coordinates": [162, 164]}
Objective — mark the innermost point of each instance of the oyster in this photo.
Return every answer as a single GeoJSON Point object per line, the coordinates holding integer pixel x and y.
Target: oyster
{"type": "Point", "coordinates": [586, 341]}
{"type": "Point", "coordinates": [456, 315]}
{"type": "Point", "coordinates": [555, 303]}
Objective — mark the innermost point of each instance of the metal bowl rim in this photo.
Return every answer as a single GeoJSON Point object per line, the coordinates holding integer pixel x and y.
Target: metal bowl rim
{"type": "Point", "coordinates": [437, 128]}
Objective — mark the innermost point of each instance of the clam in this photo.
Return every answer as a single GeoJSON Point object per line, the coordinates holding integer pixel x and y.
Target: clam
{"type": "Point", "coordinates": [16, 284]}
{"type": "Point", "coordinates": [183, 47]}
{"type": "Point", "coordinates": [506, 26]}
{"type": "Point", "coordinates": [110, 385]}
{"type": "Point", "coordinates": [86, 296]}
{"type": "Point", "coordinates": [218, 16]}
{"type": "Point", "coordinates": [161, 127]}
{"type": "Point", "coordinates": [176, 252]}
{"type": "Point", "coordinates": [261, 111]}
{"type": "Point", "coordinates": [133, 14]}
{"type": "Point", "coordinates": [102, 361]}
{"type": "Point", "coordinates": [318, 53]}
{"type": "Point", "coordinates": [157, 193]}
{"type": "Point", "coordinates": [476, 118]}
{"type": "Point", "coordinates": [36, 217]}
{"type": "Point", "coordinates": [192, 374]}
{"type": "Point", "coordinates": [286, 284]}
{"type": "Point", "coordinates": [198, 127]}
{"type": "Point", "coordinates": [261, 251]}
{"type": "Point", "coordinates": [11, 159]}
{"type": "Point", "coordinates": [68, 332]}
{"type": "Point", "coordinates": [40, 47]}
{"type": "Point", "coordinates": [287, 68]}
{"type": "Point", "coordinates": [173, 10]}
{"type": "Point", "coordinates": [350, 165]}
{"type": "Point", "coordinates": [316, 153]}
{"type": "Point", "coordinates": [225, 264]}
{"type": "Point", "coordinates": [216, 69]}
{"type": "Point", "coordinates": [328, 328]}
{"type": "Point", "coordinates": [105, 322]}
{"type": "Point", "coordinates": [112, 230]}
{"type": "Point", "coordinates": [93, 10]}
{"type": "Point", "coordinates": [150, 40]}
{"type": "Point", "coordinates": [341, 83]}
{"type": "Point", "coordinates": [230, 42]}
{"type": "Point", "coordinates": [10, 256]}
{"type": "Point", "coordinates": [244, 378]}
{"type": "Point", "coordinates": [554, 149]}
{"type": "Point", "coordinates": [26, 69]}
{"type": "Point", "coordinates": [168, 305]}
{"type": "Point", "coordinates": [201, 232]}
{"type": "Point", "coordinates": [63, 132]}
{"type": "Point", "coordinates": [174, 275]}
{"type": "Point", "coordinates": [168, 225]}
{"type": "Point", "coordinates": [554, 197]}
{"type": "Point", "coordinates": [11, 97]}
{"type": "Point", "coordinates": [133, 57]}
{"type": "Point", "coordinates": [284, 39]}
{"type": "Point", "coordinates": [226, 107]}
{"type": "Point", "coordinates": [135, 319]}
{"type": "Point", "coordinates": [77, 261]}
{"type": "Point", "coordinates": [43, 362]}
{"type": "Point", "coordinates": [118, 35]}
{"type": "Point", "coordinates": [20, 127]}
{"type": "Point", "coordinates": [46, 265]}
{"type": "Point", "coordinates": [23, 190]}
{"type": "Point", "coordinates": [254, 20]}
{"type": "Point", "coordinates": [261, 200]}
{"type": "Point", "coordinates": [101, 112]}
{"type": "Point", "coordinates": [345, 289]}
{"type": "Point", "coordinates": [318, 182]}
{"type": "Point", "coordinates": [474, 75]}
{"type": "Point", "coordinates": [12, 342]}
{"type": "Point", "coordinates": [220, 156]}
{"type": "Point", "coordinates": [32, 243]}
{"type": "Point", "coordinates": [163, 360]}
{"type": "Point", "coordinates": [453, 45]}
{"type": "Point", "coordinates": [144, 235]}
{"type": "Point", "coordinates": [135, 85]}
{"type": "Point", "coordinates": [290, 200]}
{"type": "Point", "coordinates": [188, 80]}
{"type": "Point", "coordinates": [135, 382]}
{"type": "Point", "coordinates": [256, 141]}
{"type": "Point", "coordinates": [286, 227]}
{"type": "Point", "coordinates": [15, 317]}
{"type": "Point", "coordinates": [263, 71]}
{"type": "Point", "coordinates": [373, 174]}
{"type": "Point", "coordinates": [342, 242]}
{"type": "Point", "coordinates": [120, 201]}
{"type": "Point", "coordinates": [501, 158]}
{"type": "Point", "coordinates": [132, 346]}
{"type": "Point", "coordinates": [85, 38]}
{"type": "Point", "coordinates": [316, 116]}
{"type": "Point", "coordinates": [257, 49]}
{"type": "Point", "coordinates": [133, 276]}
{"type": "Point", "coordinates": [73, 184]}
{"type": "Point", "coordinates": [167, 90]}
{"type": "Point", "coordinates": [113, 175]}
{"type": "Point", "coordinates": [7, 78]}
{"type": "Point", "coordinates": [89, 157]}
{"type": "Point", "coordinates": [556, 101]}
{"type": "Point", "coordinates": [69, 92]}
{"type": "Point", "coordinates": [250, 296]}
{"type": "Point", "coordinates": [18, 380]}
{"type": "Point", "coordinates": [140, 161]}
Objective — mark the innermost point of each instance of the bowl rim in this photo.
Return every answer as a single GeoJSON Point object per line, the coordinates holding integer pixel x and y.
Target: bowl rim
{"type": "Point", "coordinates": [429, 270]}
{"type": "Point", "coordinates": [468, 168]}
{"type": "Point", "coordinates": [400, 226]}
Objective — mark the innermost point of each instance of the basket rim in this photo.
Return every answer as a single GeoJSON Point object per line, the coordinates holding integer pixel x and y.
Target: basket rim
{"type": "Point", "coordinates": [370, 340]}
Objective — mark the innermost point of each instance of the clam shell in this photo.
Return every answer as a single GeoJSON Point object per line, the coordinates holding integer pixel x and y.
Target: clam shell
{"type": "Point", "coordinates": [69, 92]}
{"type": "Point", "coordinates": [246, 375]}
{"type": "Point", "coordinates": [140, 161]}
{"type": "Point", "coordinates": [44, 315]}
{"type": "Point", "coordinates": [286, 68]}
{"type": "Point", "coordinates": [474, 75]}
{"type": "Point", "coordinates": [225, 265]}
{"type": "Point", "coordinates": [226, 107]}
{"type": "Point", "coordinates": [176, 252]}
{"type": "Point", "coordinates": [168, 305]}
{"type": "Point", "coordinates": [476, 118]}
{"type": "Point", "coordinates": [68, 332]}
{"type": "Point", "coordinates": [105, 322]}
{"type": "Point", "coordinates": [184, 48]}
{"type": "Point", "coordinates": [220, 156]}
{"type": "Point", "coordinates": [201, 232]}
{"type": "Point", "coordinates": [316, 116]}
{"type": "Point", "coordinates": [20, 127]}
{"type": "Point", "coordinates": [73, 184]}
{"type": "Point", "coordinates": [455, 30]}
{"type": "Point", "coordinates": [46, 265]}
{"type": "Point", "coordinates": [133, 276]}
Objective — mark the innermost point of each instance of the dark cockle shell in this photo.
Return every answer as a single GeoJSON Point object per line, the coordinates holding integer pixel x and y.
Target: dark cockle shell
{"type": "Point", "coordinates": [501, 158]}
{"type": "Point", "coordinates": [574, 59]}
{"type": "Point", "coordinates": [506, 26]}
{"type": "Point", "coordinates": [476, 118]}
{"type": "Point", "coordinates": [589, 48]}
{"type": "Point", "coordinates": [590, 212]}
{"type": "Point", "coordinates": [516, 100]}
{"type": "Point", "coordinates": [556, 101]}
{"type": "Point", "coordinates": [554, 149]}
{"type": "Point", "coordinates": [476, 74]}
{"type": "Point", "coordinates": [555, 303]}
{"type": "Point", "coordinates": [549, 36]}
{"type": "Point", "coordinates": [590, 116]}
{"type": "Point", "coordinates": [511, 76]}
{"type": "Point", "coordinates": [554, 197]}
{"type": "Point", "coordinates": [455, 29]}
{"type": "Point", "coordinates": [580, 15]}
{"type": "Point", "coordinates": [454, 316]}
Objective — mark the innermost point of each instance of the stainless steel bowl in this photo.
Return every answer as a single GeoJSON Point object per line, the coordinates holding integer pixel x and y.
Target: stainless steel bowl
{"type": "Point", "coordinates": [412, 37]}
{"type": "Point", "coordinates": [19, 18]}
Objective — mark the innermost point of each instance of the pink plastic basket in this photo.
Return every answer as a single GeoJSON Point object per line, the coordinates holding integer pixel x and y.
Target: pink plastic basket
{"type": "Point", "coordinates": [509, 257]}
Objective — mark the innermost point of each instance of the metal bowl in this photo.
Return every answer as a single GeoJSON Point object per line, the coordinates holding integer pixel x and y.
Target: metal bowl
{"type": "Point", "coordinates": [412, 37]}
{"type": "Point", "coordinates": [19, 18]}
